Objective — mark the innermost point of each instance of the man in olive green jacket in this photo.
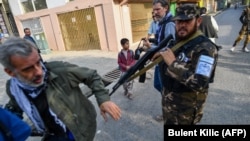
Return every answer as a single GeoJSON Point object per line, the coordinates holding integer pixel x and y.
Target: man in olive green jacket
{"type": "Point", "coordinates": [50, 95]}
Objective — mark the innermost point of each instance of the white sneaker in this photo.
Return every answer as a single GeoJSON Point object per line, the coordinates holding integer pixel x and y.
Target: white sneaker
{"type": "Point", "coordinates": [245, 50]}
{"type": "Point", "coordinates": [232, 49]}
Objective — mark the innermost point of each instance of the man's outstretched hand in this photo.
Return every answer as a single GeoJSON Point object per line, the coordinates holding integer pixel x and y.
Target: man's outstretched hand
{"type": "Point", "coordinates": [112, 109]}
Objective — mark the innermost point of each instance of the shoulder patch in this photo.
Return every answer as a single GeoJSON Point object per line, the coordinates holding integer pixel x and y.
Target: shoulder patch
{"type": "Point", "coordinates": [205, 66]}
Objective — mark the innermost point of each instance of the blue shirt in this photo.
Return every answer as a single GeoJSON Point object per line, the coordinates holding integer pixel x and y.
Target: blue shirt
{"type": "Point", "coordinates": [153, 27]}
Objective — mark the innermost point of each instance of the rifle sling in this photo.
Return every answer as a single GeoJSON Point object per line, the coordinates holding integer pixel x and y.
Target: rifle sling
{"type": "Point", "coordinates": [159, 59]}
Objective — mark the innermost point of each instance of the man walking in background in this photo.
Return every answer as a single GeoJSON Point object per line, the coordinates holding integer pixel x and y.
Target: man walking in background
{"type": "Point", "coordinates": [28, 37]}
{"type": "Point", "coordinates": [208, 25]}
{"type": "Point", "coordinates": [244, 31]}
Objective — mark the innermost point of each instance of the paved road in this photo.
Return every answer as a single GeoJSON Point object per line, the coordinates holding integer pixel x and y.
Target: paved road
{"type": "Point", "coordinates": [228, 100]}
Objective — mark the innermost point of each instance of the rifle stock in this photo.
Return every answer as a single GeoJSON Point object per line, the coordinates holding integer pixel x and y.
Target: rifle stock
{"type": "Point", "coordinates": [148, 55]}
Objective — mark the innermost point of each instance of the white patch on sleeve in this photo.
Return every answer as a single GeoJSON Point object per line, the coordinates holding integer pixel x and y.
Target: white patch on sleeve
{"type": "Point", "coordinates": [205, 65]}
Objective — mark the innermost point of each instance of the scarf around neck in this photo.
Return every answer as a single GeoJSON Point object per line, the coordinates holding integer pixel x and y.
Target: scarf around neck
{"type": "Point", "coordinates": [17, 88]}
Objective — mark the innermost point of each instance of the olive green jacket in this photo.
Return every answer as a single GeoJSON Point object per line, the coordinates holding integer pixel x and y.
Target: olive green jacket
{"type": "Point", "coordinates": [67, 101]}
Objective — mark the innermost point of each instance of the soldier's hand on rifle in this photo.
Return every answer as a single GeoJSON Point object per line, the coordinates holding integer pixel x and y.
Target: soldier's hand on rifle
{"type": "Point", "coordinates": [156, 55]}
{"type": "Point", "coordinates": [168, 56]}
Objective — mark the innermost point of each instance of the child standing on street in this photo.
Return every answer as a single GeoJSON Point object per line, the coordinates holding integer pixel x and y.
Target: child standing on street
{"type": "Point", "coordinates": [125, 61]}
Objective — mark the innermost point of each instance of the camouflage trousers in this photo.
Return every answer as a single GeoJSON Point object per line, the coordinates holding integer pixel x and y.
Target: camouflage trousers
{"type": "Point", "coordinates": [243, 32]}
{"type": "Point", "coordinates": [127, 86]}
{"type": "Point", "coordinates": [183, 108]}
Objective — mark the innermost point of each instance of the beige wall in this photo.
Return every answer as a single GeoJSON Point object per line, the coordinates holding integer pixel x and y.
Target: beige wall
{"type": "Point", "coordinates": [49, 32]}
{"type": "Point", "coordinates": [113, 22]}
{"type": "Point", "coordinates": [123, 24]}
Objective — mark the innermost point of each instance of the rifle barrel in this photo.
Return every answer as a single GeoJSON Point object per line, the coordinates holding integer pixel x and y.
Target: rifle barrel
{"type": "Point", "coordinates": [148, 55]}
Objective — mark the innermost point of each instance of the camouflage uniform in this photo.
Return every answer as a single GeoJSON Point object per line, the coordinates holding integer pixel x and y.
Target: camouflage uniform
{"type": "Point", "coordinates": [185, 89]}
{"type": "Point", "coordinates": [244, 31]}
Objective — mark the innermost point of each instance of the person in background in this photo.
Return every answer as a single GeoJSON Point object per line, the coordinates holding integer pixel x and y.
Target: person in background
{"type": "Point", "coordinates": [236, 5]}
{"type": "Point", "coordinates": [50, 95]}
{"type": "Point", "coordinates": [153, 27]}
{"type": "Point", "coordinates": [125, 61]}
{"type": "Point", "coordinates": [1, 38]}
{"type": "Point", "coordinates": [12, 128]}
{"type": "Point", "coordinates": [188, 70]}
{"type": "Point", "coordinates": [27, 36]}
{"type": "Point", "coordinates": [244, 31]}
{"type": "Point", "coordinates": [209, 25]}
{"type": "Point", "coordinates": [165, 27]}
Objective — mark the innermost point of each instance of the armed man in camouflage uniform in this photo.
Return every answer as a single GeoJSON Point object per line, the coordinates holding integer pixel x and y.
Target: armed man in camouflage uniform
{"type": "Point", "coordinates": [188, 70]}
{"type": "Point", "coordinates": [244, 31]}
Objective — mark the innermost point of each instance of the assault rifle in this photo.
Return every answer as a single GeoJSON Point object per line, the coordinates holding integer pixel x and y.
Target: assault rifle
{"type": "Point", "coordinates": [147, 56]}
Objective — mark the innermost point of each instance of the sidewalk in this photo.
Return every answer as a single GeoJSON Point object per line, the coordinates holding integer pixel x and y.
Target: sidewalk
{"type": "Point", "coordinates": [102, 61]}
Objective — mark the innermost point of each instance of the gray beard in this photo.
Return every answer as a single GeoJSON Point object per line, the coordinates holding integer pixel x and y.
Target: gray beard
{"type": "Point", "coordinates": [30, 83]}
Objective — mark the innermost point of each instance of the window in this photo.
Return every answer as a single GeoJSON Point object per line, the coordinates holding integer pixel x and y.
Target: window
{"type": "Point", "coordinates": [40, 4]}
{"type": "Point", "coordinates": [33, 5]}
{"type": "Point", "coordinates": [27, 6]}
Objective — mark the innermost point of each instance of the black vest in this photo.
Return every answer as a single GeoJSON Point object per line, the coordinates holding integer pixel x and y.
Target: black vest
{"type": "Point", "coordinates": [160, 32]}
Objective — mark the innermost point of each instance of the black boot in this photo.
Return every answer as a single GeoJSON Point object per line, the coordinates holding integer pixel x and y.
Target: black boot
{"type": "Point", "coordinates": [234, 44]}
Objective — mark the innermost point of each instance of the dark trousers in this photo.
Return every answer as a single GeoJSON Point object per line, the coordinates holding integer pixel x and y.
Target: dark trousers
{"type": "Point", "coordinates": [157, 79]}
{"type": "Point", "coordinates": [64, 137]}
{"type": "Point", "coordinates": [55, 138]}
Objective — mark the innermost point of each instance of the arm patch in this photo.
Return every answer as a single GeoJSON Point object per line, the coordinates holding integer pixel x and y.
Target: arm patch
{"type": "Point", "coordinates": [204, 66]}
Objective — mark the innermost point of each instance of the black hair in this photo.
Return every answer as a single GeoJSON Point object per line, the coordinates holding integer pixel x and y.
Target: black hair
{"type": "Point", "coordinates": [123, 41]}
{"type": "Point", "coordinates": [26, 29]}
{"type": "Point", "coordinates": [203, 10]}
{"type": "Point", "coordinates": [163, 3]}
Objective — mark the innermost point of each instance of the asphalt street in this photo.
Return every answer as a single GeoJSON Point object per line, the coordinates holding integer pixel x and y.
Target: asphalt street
{"type": "Point", "coordinates": [228, 101]}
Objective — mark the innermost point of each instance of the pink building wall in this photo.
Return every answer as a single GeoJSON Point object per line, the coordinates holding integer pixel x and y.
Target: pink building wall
{"type": "Point", "coordinates": [113, 22]}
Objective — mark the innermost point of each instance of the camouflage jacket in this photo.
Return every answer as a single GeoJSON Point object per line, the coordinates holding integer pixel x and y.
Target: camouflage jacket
{"type": "Point", "coordinates": [66, 99]}
{"type": "Point", "coordinates": [184, 74]}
